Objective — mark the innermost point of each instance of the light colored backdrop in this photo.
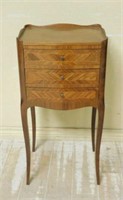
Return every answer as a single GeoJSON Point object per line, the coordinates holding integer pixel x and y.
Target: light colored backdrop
{"type": "Point", "coordinates": [15, 14]}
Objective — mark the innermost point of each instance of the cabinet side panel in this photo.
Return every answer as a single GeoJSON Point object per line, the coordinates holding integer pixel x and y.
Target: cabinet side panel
{"type": "Point", "coordinates": [102, 72]}
{"type": "Point", "coordinates": [21, 70]}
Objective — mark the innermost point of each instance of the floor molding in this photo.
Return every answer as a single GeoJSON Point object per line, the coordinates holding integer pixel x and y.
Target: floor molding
{"type": "Point", "coordinates": [60, 133]}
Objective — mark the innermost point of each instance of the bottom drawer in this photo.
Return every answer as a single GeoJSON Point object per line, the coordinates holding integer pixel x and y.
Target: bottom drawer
{"type": "Point", "coordinates": [62, 99]}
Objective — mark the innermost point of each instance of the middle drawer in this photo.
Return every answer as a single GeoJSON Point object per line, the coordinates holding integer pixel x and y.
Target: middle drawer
{"type": "Point", "coordinates": [62, 78]}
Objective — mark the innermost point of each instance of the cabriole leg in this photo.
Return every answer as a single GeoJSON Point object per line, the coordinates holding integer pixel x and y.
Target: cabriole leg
{"type": "Point", "coordinates": [93, 120]}
{"type": "Point", "coordinates": [98, 140]}
{"type": "Point", "coordinates": [33, 128]}
{"type": "Point", "coordinates": [26, 138]}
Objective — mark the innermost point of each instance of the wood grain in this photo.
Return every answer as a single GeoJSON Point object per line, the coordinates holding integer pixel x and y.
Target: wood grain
{"type": "Point", "coordinates": [54, 59]}
{"type": "Point", "coordinates": [61, 34]}
{"type": "Point", "coordinates": [62, 67]}
{"type": "Point", "coordinates": [64, 99]}
{"type": "Point", "coordinates": [62, 78]}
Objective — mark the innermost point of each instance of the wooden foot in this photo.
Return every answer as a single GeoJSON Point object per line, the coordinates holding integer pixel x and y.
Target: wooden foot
{"type": "Point", "coordinates": [93, 119]}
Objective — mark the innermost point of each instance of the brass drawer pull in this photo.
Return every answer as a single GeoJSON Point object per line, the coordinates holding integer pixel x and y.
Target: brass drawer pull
{"type": "Point", "coordinates": [62, 77]}
{"type": "Point", "coordinates": [62, 58]}
{"type": "Point", "coordinates": [62, 95]}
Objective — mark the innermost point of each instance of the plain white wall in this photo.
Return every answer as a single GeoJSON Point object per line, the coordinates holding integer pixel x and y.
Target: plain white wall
{"type": "Point", "coordinates": [15, 14]}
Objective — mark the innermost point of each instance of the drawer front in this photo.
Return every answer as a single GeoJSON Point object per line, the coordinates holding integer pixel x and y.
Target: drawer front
{"type": "Point", "coordinates": [62, 98]}
{"type": "Point", "coordinates": [62, 78]}
{"type": "Point", "coordinates": [56, 59]}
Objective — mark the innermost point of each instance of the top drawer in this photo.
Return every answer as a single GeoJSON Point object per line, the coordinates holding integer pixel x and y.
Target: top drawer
{"type": "Point", "coordinates": [57, 59]}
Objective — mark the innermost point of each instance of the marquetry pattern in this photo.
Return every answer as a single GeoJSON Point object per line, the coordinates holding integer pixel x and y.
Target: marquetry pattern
{"type": "Point", "coordinates": [62, 98]}
{"type": "Point", "coordinates": [61, 58]}
{"type": "Point", "coordinates": [60, 94]}
{"type": "Point", "coordinates": [62, 67]}
{"type": "Point", "coordinates": [61, 78]}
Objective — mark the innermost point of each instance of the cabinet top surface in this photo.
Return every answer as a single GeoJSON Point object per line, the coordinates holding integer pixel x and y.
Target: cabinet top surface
{"type": "Point", "coordinates": [62, 34]}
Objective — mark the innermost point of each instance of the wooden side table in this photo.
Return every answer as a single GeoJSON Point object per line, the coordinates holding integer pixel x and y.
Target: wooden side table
{"type": "Point", "coordinates": [62, 66]}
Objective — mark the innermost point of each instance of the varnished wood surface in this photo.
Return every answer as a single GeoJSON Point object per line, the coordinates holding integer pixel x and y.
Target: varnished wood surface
{"type": "Point", "coordinates": [62, 78]}
{"type": "Point", "coordinates": [93, 123]}
{"type": "Point", "coordinates": [62, 99]}
{"type": "Point", "coordinates": [55, 59]}
{"type": "Point", "coordinates": [72, 53]}
{"type": "Point", "coordinates": [33, 128]}
{"type": "Point", "coordinates": [62, 34]}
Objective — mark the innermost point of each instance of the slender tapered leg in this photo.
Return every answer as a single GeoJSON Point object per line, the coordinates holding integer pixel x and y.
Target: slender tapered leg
{"type": "Point", "coordinates": [98, 140]}
{"type": "Point", "coordinates": [33, 128]}
{"type": "Point", "coordinates": [26, 138]}
{"type": "Point", "coordinates": [93, 119]}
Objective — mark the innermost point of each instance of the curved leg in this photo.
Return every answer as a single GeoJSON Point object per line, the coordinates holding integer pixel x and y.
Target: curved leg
{"type": "Point", "coordinates": [33, 128]}
{"type": "Point", "coordinates": [98, 142]}
{"type": "Point", "coordinates": [26, 138]}
{"type": "Point", "coordinates": [93, 119]}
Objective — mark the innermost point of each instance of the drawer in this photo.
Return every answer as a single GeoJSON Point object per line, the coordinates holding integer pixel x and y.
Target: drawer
{"type": "Point", "coordinates": [62, 98]}
{"type": "Point", "coordinates": [62, 78]}
{"type": "Point", "coordinates": [55, 59]}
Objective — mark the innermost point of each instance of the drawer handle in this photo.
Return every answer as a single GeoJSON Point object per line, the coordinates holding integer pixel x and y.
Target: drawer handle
{"type": "Point", "coordinates": [62, 58]}
{"type": "Point", "coordinates": [62, 77]}
{"type": "Point", "coordinates": [62, 95]}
